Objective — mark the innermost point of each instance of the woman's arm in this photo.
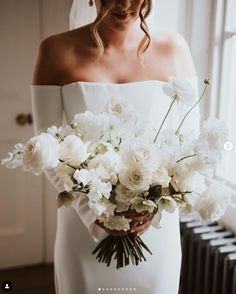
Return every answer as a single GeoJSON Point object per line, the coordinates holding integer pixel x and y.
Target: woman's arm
{"type": "Point", "coordinates": [47, 108]}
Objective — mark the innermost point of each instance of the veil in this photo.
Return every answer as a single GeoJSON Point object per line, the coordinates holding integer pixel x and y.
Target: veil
{"type": "Point", "coordinates": [81, 14]}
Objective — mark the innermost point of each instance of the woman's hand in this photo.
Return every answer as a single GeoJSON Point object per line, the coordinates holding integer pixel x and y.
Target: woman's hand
{"type": "Point", "coordinates": [139, 224]}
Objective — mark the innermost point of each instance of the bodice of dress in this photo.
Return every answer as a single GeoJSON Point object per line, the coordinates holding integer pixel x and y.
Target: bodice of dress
{"type": "Point", "coordinates": [147, 97]}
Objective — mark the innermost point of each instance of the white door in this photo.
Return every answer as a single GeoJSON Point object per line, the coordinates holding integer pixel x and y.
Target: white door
{"type": "Point", "coordinates": [27, 205]}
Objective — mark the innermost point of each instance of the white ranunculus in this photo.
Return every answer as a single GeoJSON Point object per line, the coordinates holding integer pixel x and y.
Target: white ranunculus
{"type": "Point", "coordinates": [73, 151]}
{"type": "Point", "coordinates": [91, 126]}
{"type": "Point", "coordinates": [123, 195]}
{"type": "Point", "coordinates": [140, 154]}
{"type": "Point", "coordinates": [167, 203]}
{"type": "Point", "coordinates": [41, 152]}
{"type": "Point", "coordinates": [15, 158]}
{"type": "Point", "coordinates": [135, 179]}
{"type": "Point", "coordinates": [211, 140]}
{"type": "Point", "coordinates": [181, 88]}
{"type": "Point", "coordinates": [213, 202]}
{"type": "Point", "coordinates": [161, 177]}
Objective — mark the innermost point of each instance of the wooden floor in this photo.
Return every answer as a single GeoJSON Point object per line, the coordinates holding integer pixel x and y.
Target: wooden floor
{"type": "Point", "coordinates": [29, 280]}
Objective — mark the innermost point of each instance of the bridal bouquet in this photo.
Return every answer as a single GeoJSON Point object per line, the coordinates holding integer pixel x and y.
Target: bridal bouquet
{"type": "Point", "coordinates": [128, 168]}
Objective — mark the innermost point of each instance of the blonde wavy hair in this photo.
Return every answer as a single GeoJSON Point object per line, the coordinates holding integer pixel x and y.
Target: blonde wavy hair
{"type": "Point", "coordinates": [143, 14]}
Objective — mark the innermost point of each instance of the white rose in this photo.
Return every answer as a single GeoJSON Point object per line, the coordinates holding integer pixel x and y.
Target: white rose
{"type": "Point", "coordinates": [213, 202]}
{"type": "Point", "coordinates": [181, 88]}
{"type": "Point", "coordinates": [41, 152]}
{"type": "Point", "coordinates": [135, 179]}
{"type": "Point", "coordinates": [73, 150]}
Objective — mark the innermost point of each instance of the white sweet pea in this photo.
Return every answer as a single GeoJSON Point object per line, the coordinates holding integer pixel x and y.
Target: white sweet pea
{"type": "Point", "coordinates": [135, 179]}
{"type": "Point", "coordinates": [41, 152]}
{"type": "Point", "coordinates": [188, 181]}
{"type": "Point", "coordinates": [91, 126]}
{"type": "Point", "coordinates": [109, 163]}
{"type": "Point", "coordinates": [73, 151]}
{"type": "Point", "coordinates": [84, 176]}
{"type": "Point", "coordinates": [182, 89]}
{"type": "Point", "coordinates": [15, 158]}
{"type": "Point", "coordinates": [213, 202]}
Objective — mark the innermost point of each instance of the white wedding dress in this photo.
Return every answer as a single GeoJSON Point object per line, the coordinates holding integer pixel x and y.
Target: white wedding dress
{"type": "Point", "coordinates": [76, 270]}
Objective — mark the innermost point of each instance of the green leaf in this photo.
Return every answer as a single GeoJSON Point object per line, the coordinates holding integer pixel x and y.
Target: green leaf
{"type": "Point", "coordinates": [64, 198]}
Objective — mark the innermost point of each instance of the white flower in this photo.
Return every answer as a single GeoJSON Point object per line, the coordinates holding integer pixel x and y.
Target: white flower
{"type": "Point", "coordinates": [181, 88]}
{"type": "Point", "coordinates": [188, 181]}
{"type": "Point", "coordinates": [140, 154]}
{"type": "Point", "coordinates": [91, 126]}
{"type": "Point", "coordinates": [73, 150]}
{"type": "Point", "coordinates": [97, 206]}
{"type": "Point", "coordinates": [123, 195]}
{"type": "Point", "coordinates": [167, 203]}
{"type": "Point", "coordinates": [140, 204]}
{"type": "Point", "coordinates": [65, 174]}
{"type": "Point", "coordinates": [161, 177]}
{"type": "Point", "coordinates": [213, 202]}
{"type": "Point", "coordinates": [211, 140]}
{"type": "Point", "coordinates": [116, 222]}
{"type": "Point", "coordinates": [15, 158]}
{"type": "Point", "coordinates": [109, 161]}
{"type": "Point", "coordinates": [84, 176]}
{"type": "Point", "coordinates": [135, 179]}
{"type": "Point", "coordinates": [41, 152]}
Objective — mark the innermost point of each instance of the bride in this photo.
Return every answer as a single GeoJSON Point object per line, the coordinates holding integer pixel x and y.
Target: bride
{"type": "Point", "coordinates": [78, 70]}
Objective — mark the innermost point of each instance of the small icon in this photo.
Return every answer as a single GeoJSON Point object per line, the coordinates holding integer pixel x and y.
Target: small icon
{"type": "Point", "coordinates": [6, 286]}
{"type": "Point", "coordinates": [228, 146]}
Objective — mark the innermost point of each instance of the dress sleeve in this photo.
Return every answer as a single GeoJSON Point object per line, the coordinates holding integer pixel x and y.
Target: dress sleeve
{"type": "Point", "coordinates": [47, 109]}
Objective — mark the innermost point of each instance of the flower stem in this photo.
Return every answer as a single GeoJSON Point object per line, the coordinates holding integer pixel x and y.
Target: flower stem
{"type": "Point", "coordinates": [174, 99]}
{"type": "Point", "coordinates": [186, 157]}
{"type": "Point", "coordinates": [203, 93]}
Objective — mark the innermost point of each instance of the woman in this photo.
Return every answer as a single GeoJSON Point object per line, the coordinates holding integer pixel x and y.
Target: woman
{"type": "Point", "coordinates": [79, 70]}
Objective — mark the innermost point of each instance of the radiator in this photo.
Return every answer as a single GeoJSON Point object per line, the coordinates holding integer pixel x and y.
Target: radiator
{"type": "Point", "coordinates": [208, 258]}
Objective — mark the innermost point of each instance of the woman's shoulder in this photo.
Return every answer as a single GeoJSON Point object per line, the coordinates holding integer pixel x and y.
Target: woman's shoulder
{"type": "Point", "coordinates": [55, 55]}
{"type": "Point", "coordinates": [174, 47]}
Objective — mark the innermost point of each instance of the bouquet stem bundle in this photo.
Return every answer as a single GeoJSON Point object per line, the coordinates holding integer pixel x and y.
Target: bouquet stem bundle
{"type": "Point", "coordinates": [125, 249]}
